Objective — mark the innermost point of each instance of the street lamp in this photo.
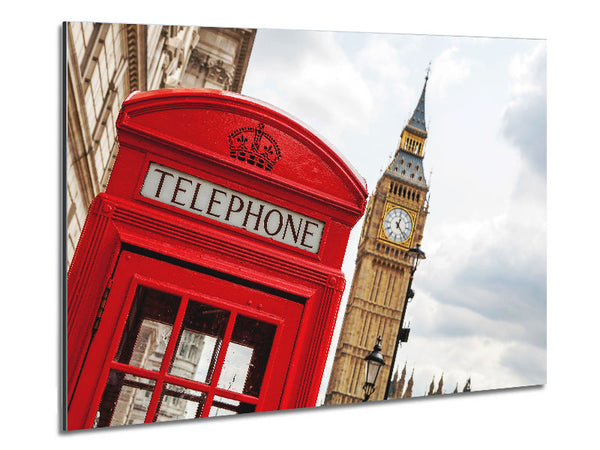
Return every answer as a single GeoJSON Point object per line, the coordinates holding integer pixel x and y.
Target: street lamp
{"type": "Point", "coordinates": [416, 255]}
{"type": "Point", "coordinates": [374, 362]}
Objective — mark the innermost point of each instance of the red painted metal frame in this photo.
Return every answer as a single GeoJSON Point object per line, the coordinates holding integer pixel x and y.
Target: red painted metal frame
{"type": "Point", "coordinates": [187, 130]}
{"type": "Point", "coordinates": [134, 270]}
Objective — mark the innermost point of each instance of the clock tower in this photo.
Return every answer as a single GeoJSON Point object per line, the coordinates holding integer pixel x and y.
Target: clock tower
{"type": "Point", "coordinates": [393, 225]}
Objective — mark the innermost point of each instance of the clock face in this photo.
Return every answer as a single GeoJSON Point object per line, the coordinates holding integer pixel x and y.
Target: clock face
{"type": "Point", "coordinates": [397, 225]}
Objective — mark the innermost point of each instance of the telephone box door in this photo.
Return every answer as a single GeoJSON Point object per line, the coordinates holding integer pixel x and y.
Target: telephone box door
{"type": "Point", "coordinates": [177, 342]}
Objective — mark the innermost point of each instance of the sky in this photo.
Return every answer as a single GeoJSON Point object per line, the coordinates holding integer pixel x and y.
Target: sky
{"type": "Point", "coordinates": [480, 306]}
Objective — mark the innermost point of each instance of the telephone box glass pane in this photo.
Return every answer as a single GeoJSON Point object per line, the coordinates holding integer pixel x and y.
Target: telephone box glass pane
{"type": "Point", "coordinates": [148, 329]}
{"type": "Point", "coordinates": [178, 403]}
{"type": "Point", "coordinates": [125, 400]}
{"type": "Point", "coordinates": [222, 406]}
{"type": "Point", "coordinates": [199, 342]}
{"type": "Point", "coordinates": [247, 356]}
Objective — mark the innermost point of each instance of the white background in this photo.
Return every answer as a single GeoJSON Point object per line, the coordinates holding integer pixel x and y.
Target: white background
{"type": "Point", "coordinates": [559, 414]}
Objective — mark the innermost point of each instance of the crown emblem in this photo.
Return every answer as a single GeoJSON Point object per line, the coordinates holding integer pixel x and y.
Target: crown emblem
{"type": "Point", "coordinates": [254, 146]}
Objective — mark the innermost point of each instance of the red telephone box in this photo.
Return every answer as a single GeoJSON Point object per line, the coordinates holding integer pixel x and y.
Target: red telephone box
{"type": "Point", "coordinates": [207, 278]}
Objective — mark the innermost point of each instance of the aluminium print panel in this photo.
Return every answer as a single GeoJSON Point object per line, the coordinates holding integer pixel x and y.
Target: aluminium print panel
{"type": "Point", "coordinates": [273, 219]}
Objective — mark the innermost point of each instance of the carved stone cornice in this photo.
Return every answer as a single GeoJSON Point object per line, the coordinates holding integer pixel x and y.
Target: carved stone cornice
{"type": "Point", "coordinates": [214, 68]}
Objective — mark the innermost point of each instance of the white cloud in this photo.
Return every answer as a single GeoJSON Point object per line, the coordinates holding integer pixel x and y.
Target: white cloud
{"type": "Point", "coordinates": [309, 75]}
{"type": "Point", "coordinates": [450, 68]}
{"type": "Point", "coordinates": [490, 363]}
{"type": "Point", "coordinates": [524, 118]}
{"type": "Point", "coordinates": [480, 304]}
{"type": "Point", "coordinates": [484, 259]}
{"type": "Point", "coordinates": [528, 72]}
{"type": "Point", "coordinates": [381, 61]}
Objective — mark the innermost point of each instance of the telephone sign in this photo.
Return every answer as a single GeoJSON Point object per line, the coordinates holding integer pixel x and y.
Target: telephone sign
{"type": "Point", "coordinates": [207, 279]}
{"type": "Point", "coordinates": [236, 208]}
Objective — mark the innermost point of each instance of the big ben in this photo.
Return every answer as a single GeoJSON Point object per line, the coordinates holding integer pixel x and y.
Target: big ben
{"type": "Point", "coordinates": [392, 230]}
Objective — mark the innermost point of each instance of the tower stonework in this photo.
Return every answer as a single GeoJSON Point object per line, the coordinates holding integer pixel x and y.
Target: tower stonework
{"type": "Point", "coordinates": [394, 223]}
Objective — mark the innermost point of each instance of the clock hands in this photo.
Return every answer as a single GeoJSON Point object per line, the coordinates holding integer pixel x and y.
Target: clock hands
{"type": "Point", "coordinates": [398, 225]}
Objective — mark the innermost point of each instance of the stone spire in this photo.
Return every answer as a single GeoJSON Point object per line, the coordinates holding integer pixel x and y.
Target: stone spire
{"type": "Point", "coordinates": [407, 164]}
{"type": "Point", "coordinates": [417, 121]}
{"type": "Point", "coordinates": [467, 387]}
{"type": "Point", "coordinates": [431, 386]}
{"type": "Point", "coordinates": [400, 387]}
{"type": "Point", "coordinates": [394, 383]}
{"type": "Point", "coordinates": [409, 386]}
{"type": "Point", "coordinates": [440, 385]}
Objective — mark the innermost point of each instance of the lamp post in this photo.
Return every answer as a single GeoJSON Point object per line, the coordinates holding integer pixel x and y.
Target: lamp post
{"type": "Point", "coordinates": [417, 255]}
{"type": "Point", "coordinates": [374, 363]}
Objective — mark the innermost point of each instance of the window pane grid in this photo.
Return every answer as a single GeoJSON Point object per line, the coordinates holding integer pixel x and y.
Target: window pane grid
{"type": "Point", "coordinates": [178, 403]}
{"type": "Point", "coordinates": [219, 364]}
{"type": "Point", "coordinates": [162, 376]}
{"type": "Point", "coordinates": [211, 398]}
{"type": "Point", "coordinates": [188, 384]}
{"type": "Point", "coordinates": [166, 359]}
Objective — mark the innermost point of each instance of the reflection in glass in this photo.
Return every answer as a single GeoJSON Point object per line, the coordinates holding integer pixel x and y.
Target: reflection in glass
{"type": "Point", "coordinates": [247, 356]}
{"type": "Point", "coordinates": [148, 329]}
{"type": "Point", "coordinates": [179, 403]}
{"type": "Point", "coordinates": [125, 400]}
{"type": "Point", "coordinates": [223, 406]}
{"type": "Point", "coordinates": [235, 367]}
{"type": "Point", "coordinates": [143, 344]}
{"type": "Point", "coordinates": [199, 342]}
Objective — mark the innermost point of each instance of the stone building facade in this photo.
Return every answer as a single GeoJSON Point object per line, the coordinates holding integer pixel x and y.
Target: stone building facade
{"type": "Point", "coordinates": [394, 224]}
{"type": "Point", "coordinates": [105, 62]}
